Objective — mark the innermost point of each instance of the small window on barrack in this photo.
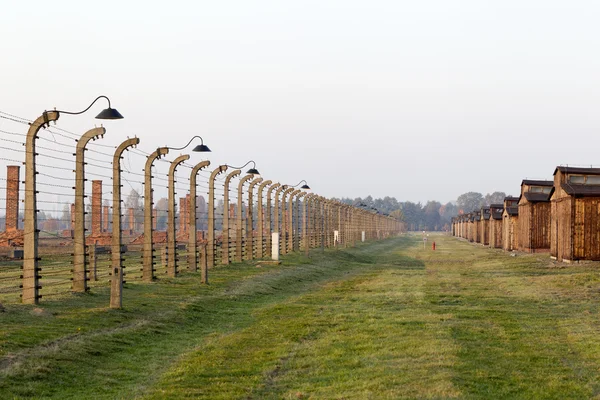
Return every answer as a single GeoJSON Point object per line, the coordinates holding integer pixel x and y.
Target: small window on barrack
{"type": "Point", "coordinates": [592, 180]}
{"type": "Point", "coordinates": [577, 179]}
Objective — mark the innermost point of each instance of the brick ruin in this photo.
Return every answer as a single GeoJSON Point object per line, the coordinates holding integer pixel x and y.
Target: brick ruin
{"type": "Point", "coordinates": [99, 235]}
{"type": "Point", "coordinates": [12, 236]}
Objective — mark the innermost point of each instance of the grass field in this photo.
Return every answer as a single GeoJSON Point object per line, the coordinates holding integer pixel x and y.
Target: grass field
{"type": "Point", "coordinates": [385, 320]}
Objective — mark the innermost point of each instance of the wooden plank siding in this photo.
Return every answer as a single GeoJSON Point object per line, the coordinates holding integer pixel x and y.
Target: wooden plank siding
{"type": "Point", "coordinates": [471, 228]}
{"type": "Point", "coordinates": [495, 225]}
{"type": "Point", "coordinates": [575, 225]}
{"type": "Point", "coordinates": [510, 224]}
{"type": "Point", "coordinates": [586, 244]}
{"type": "Point", "coordinates": [560, 229]}
{"type": "Point", "coordinates": [484, 226]}
{"type": "Point", "coordinates": [495, 233]}
{"type": "Point", "coordinates": [477, 227]}
{"type": "Point", "coordinates": [534, 227]}
{"type": "Point", "coordinates": [535, 216]}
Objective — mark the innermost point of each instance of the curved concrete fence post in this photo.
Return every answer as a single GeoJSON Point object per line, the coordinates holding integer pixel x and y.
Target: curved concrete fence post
{"type": "Point", "coordinates": [193, 239]}
{"type": "Point", "coordinates": [290, 218]}
{"type": "Point", "coordinates": [225, 259]}
{"type": "Point", "coordinates": [270, 218]}
{"type": "Point", "coordinates": [299, 226]}
{"type": "Point", "coordinates": [260, 223]}
{"type": "Point", "coordinates": [79, 250]}
{"type": "Point", "coordinates": [30, 232]}
{"type": "Point", "coordinates": [250, 220]}
{"type": "Point", "coordinates": [210, 245]}
{"type": "Point", "coordinates": [116, 282]}
{"type": "Point", "coordinates": [239, 228]}
{"type": "Point", "coordinates": [306, 219]}
{"type": "Point", "coordinates": [284, 220]}
{"type": "Point", "coordinates": [148, 256]}
{"type": "Point", "coordinates": [171, 231]}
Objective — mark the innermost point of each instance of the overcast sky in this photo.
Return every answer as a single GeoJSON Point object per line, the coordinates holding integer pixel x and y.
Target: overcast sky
{"type": "Point", "coordinates": [414, 99]}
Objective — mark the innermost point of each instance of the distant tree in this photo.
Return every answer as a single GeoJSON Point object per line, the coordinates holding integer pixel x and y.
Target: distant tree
{"type": "Point", "coordinates": [470, 201]}
{"type": "Point", "coordinates": [494, 198]}
{"type": "Point", "coordinates": [413, 215]}
{"type": "Point", "coordinates": [398, 214]}
{"type": "Point", "coordinates": [431, 215]}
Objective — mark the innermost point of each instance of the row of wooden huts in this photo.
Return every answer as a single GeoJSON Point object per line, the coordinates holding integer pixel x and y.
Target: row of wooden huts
{"type": "Point", "coordinates": [560, 216]}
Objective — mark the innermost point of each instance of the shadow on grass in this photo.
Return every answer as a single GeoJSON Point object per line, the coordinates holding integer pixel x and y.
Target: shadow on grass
{"type": "Point", "coordinates": [82, 346]}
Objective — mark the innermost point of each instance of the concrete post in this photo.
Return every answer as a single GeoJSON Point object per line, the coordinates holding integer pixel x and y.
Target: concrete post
{"type": "Point", "coordinates": [31, 233]}
{"type": "Point", "coordinates": [299, 226]}
{"type": "Point", "coordinates": [306, 223]}
{"type": "Point", "coordinates": [277, 210]}
{"type": "Point", "coordinates": [290, 218]}
{"type": "Point", "coordinates": [250, 220]}
{"type": "Point", "coordinates": [116, 284]}
{"type": "Point", "coordinates": [184, 222]}
{"type": "Point", "coordinates": [210, 205]}
{"type": "Point", "coordinates": [148, 260]}
{"type": "Point", "coordinates": [284, 220]}
{"type": "Point", "coordinates": [93, 262]}
{"type": "Point", "coordinates": [171, 228]}
{"type": "Point", "coordinates": [96, 207]}
{"type": "Point", "coordinates": [192, 239]}
{"type": "Point", "coordinates": [225, 237]}
{"type": "Point", "coordinates": [268, 228]}
{"type": "Point", "coordinates": [322, 221]}
{"type": "Point", "coordinates": [203, 264]}
{"type": "Point", "coordinates": [79, 261]}
{"type": "Point", "coordinates": [240, 220]}
{"type": "Point", "coordinates": [260, 226]}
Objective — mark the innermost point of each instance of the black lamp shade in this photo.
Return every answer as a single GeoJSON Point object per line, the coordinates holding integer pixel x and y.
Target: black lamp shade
{"type": "Point", "coordinates": [305, 187]}
{"type": "Point", "coordinates": [109, 113]}
{"type": "Point", "coordinates": [201, 148]}
{"type": "Point", "coordinates": [253, 171]}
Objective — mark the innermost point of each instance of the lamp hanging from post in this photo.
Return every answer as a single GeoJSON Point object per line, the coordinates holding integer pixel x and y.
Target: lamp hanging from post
{"type": "Point", "coordinates": [251, 171]}
{"type": "Point", "coordinates": [305, 186]}
{"type": "Point", "coordinates": [31, 233]}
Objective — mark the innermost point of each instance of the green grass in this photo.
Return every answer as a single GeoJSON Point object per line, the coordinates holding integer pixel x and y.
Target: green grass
{"type": "Point", "coordinates": [384, 320]}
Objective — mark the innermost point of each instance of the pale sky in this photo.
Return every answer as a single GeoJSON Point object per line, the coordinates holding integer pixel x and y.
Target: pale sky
{"type": "Point", "coordinates": [419, 100]}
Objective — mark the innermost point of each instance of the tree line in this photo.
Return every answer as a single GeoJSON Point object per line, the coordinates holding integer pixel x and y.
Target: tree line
{"type": "Point", "coordinates": [431, 216]}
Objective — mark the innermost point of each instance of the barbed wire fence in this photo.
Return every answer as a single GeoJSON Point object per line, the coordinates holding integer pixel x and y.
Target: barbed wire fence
{"type": "Point", "coordinates": [56, 162]}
